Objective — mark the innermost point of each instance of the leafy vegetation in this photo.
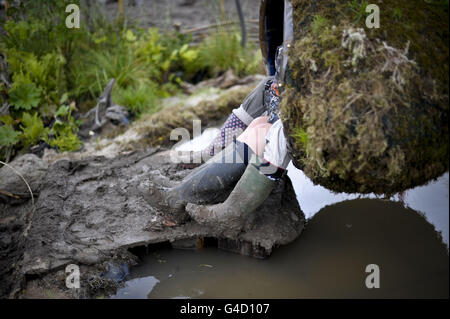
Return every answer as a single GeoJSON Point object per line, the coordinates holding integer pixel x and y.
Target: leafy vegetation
{"type": "Point", "coordinates": [139, 99]}
{"type": "Point", "coordinates": [53, 69]}
{"type": "Point", "coordinates": [8, 136]}
{"type": "Point", "coordinates": [358, 9]}
{"type": "Point", "coordinates": [222, 51]}
{"type": "Point", "coordinates": [25, 96]}
{"type": "Point", "coordinates": [32, 128]}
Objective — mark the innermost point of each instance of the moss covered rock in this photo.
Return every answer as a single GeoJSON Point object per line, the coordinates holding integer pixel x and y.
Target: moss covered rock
{"type": "Point", "coordinates": [366, 110]}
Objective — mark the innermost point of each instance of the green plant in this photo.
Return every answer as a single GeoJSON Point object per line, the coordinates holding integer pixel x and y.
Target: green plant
{"type": "Point", "coordinates": [40, 48]}
{"type": "Point", "coordinates": [63, 138]}
{"type": "Point", "coordinates": [397, 13]}
{"type": "Point", "coordinates": [62, 134]}
{"type": "Point", "coordinates": [8, 136]}
{"type": "Point", "coordinates": [139, 100]}
{"type": "Point", "coordinates": [44, 72]}
{"type": "Point", "coordinates": [39, 27]}
{"type": "Point", "coordinates": [184, 58]}
{"type": "Point", "coordinates": [25, 96]}
{"type": "Point", "coordinates": [222, 51]}
{"type": "Point", "coordinates": [358, 9]}
{"type": "Point", "coordinates": [131, 60]}
{"type": "Point", "coordinates": [166, 55]}
{"type": "Point", "coordinates": [122, 65]}
{"type": "Point", "coordinates": [51, 65]}
{"type": "Point", "coordinates": [301, 137]}
{"type": "Point", "coordinates": [32, 129]}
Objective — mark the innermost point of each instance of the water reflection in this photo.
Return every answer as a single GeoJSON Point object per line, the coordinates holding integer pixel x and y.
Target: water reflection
{"type": "Point", "coordinates": [136, 288]}
{"type": "Point", "coordinates": [432, 200]}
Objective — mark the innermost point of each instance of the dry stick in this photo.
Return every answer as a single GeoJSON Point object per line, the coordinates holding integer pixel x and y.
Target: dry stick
{"type": "Point", "coordinates": [120, 7]}
{"type": "Point", "coordinates": [215, 25]}
{"type": "Point", "coordinates": [31, 192]}
{"type": "Point", "coordinates": [9, 194]}
{"type": "Point", "coordinates": [222, 10]}
{"type": "Point", "coordinates": [206, 27]}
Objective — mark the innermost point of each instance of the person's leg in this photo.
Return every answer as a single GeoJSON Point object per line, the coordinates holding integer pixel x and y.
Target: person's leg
{"type": "Point", "coordinates": [249, 193]}
{"type": "Point", "coordinates": [238, 121]}
{"type": "Point", "coordinates": [255, 184]}
{"type": "Point", "coordinates": [204, 184]}
{"type": "Point", "coordinates": [207, 183]}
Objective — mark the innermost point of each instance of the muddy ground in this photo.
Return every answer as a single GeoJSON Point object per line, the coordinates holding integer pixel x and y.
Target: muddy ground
{"type": "Point", "coordinates": [91, 208]}
{"type": "Point", "coordinates": [90, 212]}
{"type": "Point", "coordinates": [186, 14]}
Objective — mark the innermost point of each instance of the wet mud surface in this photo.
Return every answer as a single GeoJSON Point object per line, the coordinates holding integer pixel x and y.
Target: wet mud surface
{"type": "Point", "coordinates": [93, 205]}
{"type": "Point", "coordinates": [90, 212]}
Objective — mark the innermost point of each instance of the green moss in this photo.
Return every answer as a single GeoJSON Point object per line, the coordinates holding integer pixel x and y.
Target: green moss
{"type": "Point", "coordinates": [318, 24]}
{"type": "Point", "coordinates": [301, 137]}
{"type": "Point", "coordinates": [358, 9]}
{"type": "Point", "coordinates": [397, 14]}
{"type": "Point", "coordinates": [374, 110]}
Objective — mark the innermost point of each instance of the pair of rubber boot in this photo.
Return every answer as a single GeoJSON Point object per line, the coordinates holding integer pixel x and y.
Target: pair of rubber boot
{"type": "Point", "coordinates": [210, 182]}
{"type": "Point", "coordinates": [248, 194]}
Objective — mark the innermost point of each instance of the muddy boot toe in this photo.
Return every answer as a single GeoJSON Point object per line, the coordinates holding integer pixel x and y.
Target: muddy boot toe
{"type": "Point", "coordinates": [215, 216]}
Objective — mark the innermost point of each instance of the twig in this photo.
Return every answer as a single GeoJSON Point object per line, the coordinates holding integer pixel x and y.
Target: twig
{"type": "Point", "coordinates": [120, 7]}
{"type": "Point", "coordinates": [6, 9]}
{"type": "Point", "coordinates": [209, 26]}
{"type": "Point", "coordinates": [242, 22]}
{"type": "Point", "coordinates": [9, 194]}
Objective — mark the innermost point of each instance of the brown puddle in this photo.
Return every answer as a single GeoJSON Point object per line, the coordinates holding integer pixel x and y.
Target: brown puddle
{"type": "Point", "coordinates": [327, 261]}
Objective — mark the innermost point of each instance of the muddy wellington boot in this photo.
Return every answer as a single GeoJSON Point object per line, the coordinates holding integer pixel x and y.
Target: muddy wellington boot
{"type": "Point", "coordinates": [205, 184]}
{"type": "Point", "coordinates": [249, 193]}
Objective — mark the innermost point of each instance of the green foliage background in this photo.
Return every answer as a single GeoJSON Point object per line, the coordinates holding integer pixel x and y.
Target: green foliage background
{"type": "Point", "coordinates": [58, 73]}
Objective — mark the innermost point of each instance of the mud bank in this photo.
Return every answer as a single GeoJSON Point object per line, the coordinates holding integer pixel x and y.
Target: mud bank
{"type": "Point", "coordinates": [91, 212]}
{"type": "Point", "coordinates": [203, 102]}
{"type": "Point", "coordinates": [90, 206]}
